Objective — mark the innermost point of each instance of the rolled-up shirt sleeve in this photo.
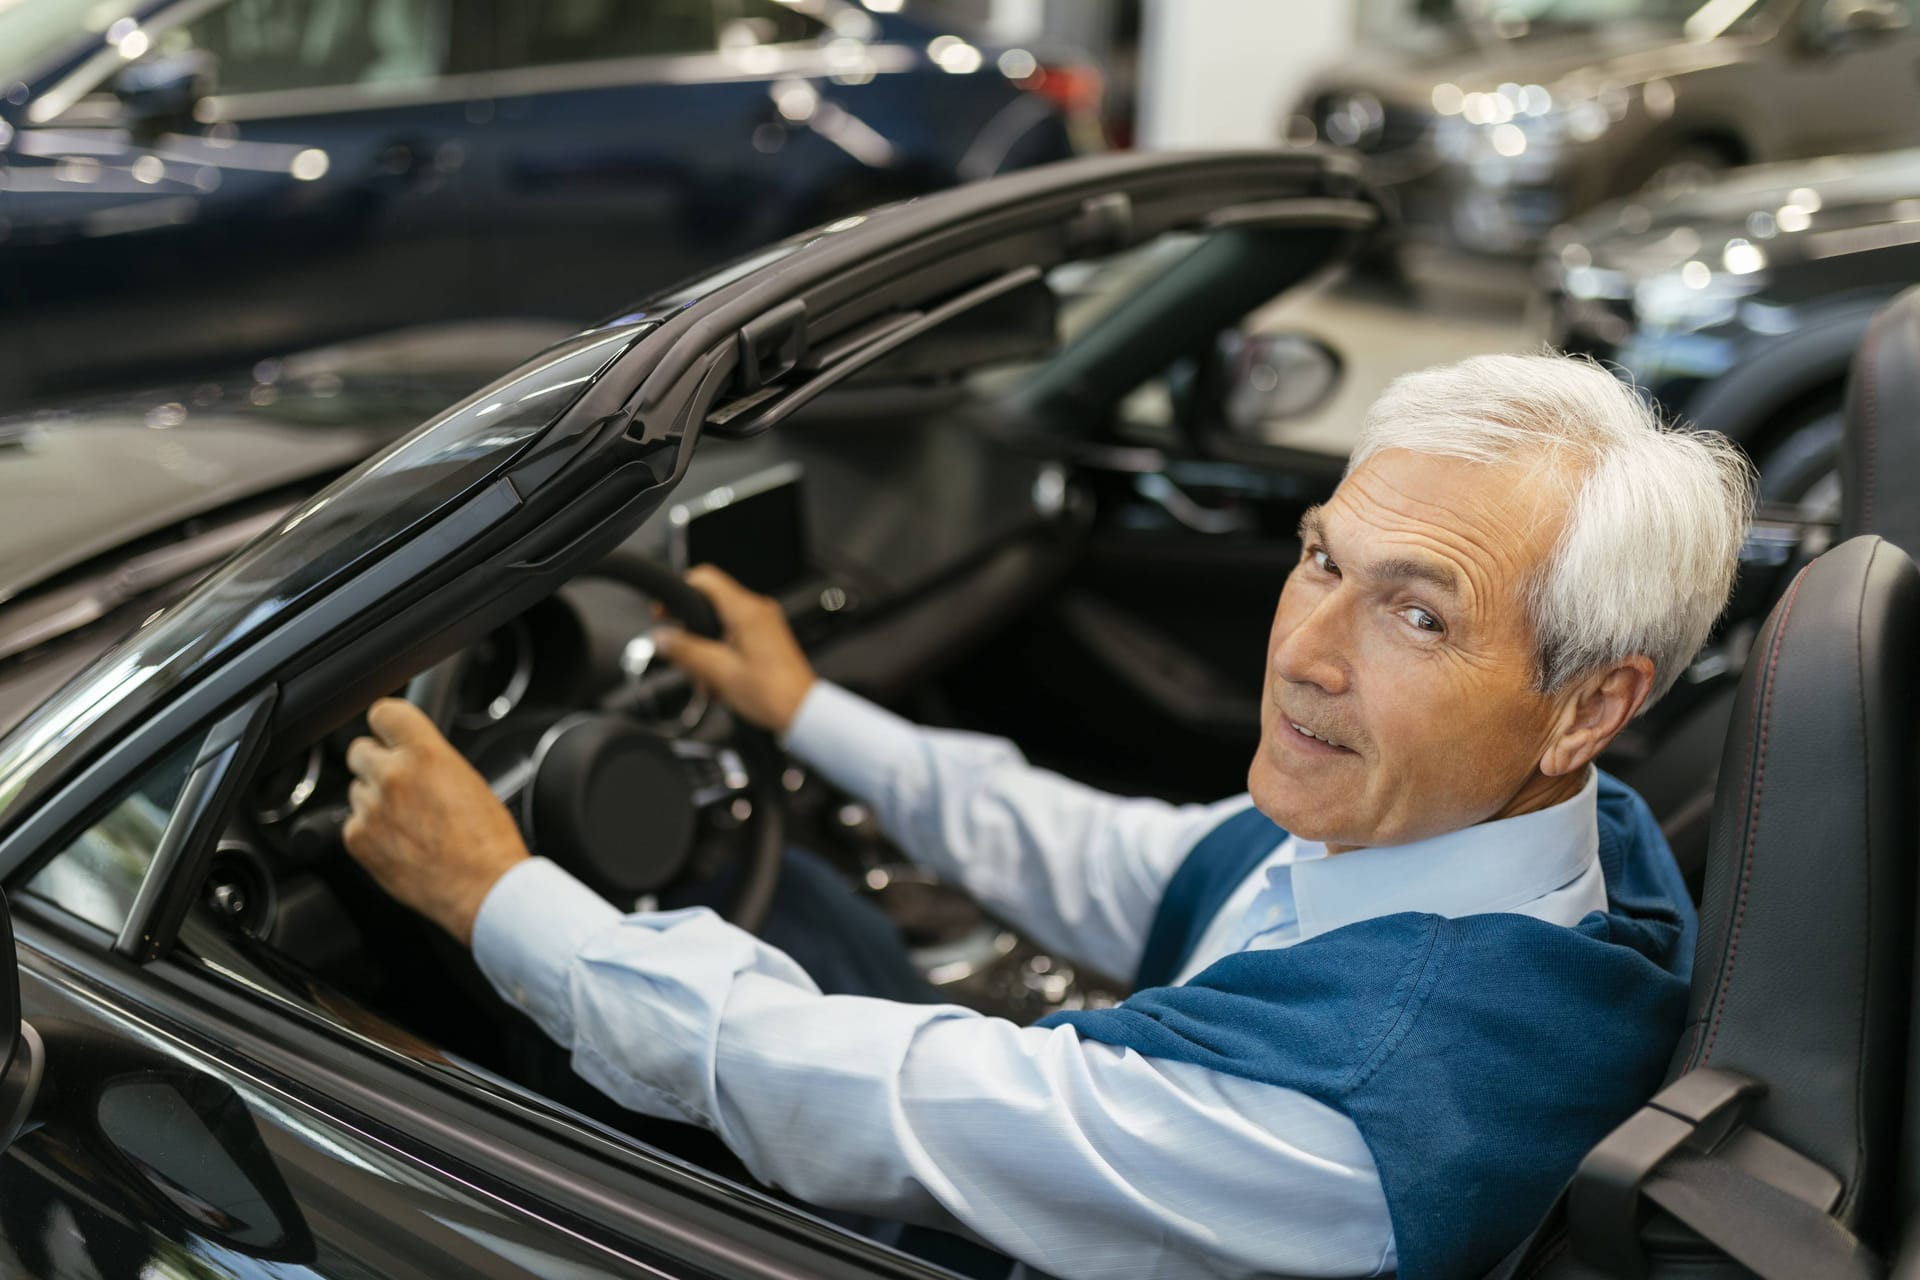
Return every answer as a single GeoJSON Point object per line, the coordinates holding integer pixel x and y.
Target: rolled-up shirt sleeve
{"type": "Point", "coordinates": [1078, 1158]}
{"type": "Point", "coordinates": [1080, 870]}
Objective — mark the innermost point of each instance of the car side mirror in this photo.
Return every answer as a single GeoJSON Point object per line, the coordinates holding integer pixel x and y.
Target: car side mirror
{"type": "Point", "coordinates": [1264, 378]}
{"type": "Point", "coordinates": [1849, 24]}
{"type": "Point", "coordinates": [22, 1056]}
{"type": "Point", "coordinates": [160, 92]}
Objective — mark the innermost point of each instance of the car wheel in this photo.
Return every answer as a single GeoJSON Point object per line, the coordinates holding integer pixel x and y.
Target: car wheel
{"type": "Point", "coordinates": [1802, 468]}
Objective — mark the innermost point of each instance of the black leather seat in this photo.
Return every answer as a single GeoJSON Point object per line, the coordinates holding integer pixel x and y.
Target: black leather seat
{"type": "Point", "coordinates": [1880, 459]}
{"type": "Point", "coordinates": [1803, 975]}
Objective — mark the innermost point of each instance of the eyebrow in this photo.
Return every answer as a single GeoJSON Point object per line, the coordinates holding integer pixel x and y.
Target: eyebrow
{"type": "Point", "coordinates": [1313, 528]}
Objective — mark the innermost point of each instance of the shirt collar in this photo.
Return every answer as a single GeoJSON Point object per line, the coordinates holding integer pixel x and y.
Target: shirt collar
{"type": "Point", "coordinates": [1494, 866]}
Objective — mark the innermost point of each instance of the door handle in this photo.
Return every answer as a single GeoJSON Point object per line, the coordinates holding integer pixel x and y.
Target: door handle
{"type": "Point", "coordinates": [1176, 502]}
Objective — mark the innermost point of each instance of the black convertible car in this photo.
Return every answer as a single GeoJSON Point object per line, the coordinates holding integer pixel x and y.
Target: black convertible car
{"type": "Point", "coordinates": [230, 1055]}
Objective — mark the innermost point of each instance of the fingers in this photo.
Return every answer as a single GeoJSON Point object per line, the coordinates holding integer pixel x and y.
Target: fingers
{"type": "Point", "coordinates": [398, 723]}
{"type": "Point", "coordinates": [367, 759]}
{"type": "Point", "coordinates": [710, 662]}
{"type": "Point", "coordinates": [362, 797]}
{"type": "Point", "coordinates": [737, 606]}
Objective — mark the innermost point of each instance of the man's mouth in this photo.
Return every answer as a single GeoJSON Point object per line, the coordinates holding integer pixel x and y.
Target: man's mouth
{"type": "Point", "coordinates": [1317, 741]}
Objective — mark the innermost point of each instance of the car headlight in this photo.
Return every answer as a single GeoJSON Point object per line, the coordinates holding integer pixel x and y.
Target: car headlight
{"type": "Point", "coordinates": [1695, 295]}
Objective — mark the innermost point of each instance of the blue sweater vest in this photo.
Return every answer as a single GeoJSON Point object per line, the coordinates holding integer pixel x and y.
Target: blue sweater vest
{"type": "Point", "coordinates": [1480, 1058]}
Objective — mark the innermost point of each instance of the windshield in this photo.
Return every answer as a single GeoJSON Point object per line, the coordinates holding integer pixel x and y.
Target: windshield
{"type": "Point", "coordinates": [343, 525]}
{"type": "Point", "coordinates": [34, 31]}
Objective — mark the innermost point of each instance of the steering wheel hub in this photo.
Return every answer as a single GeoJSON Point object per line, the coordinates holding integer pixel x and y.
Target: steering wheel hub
{"type": "Point", "coordinates": [614, 803]}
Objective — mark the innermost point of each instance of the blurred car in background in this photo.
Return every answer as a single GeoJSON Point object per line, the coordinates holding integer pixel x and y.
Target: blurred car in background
{"type": "Point", "coordinates": [1737, 306]}
{"type": "Point", "coordinates": [1490, 130]}
{"type": "Point", "coordinates": [187, 183]}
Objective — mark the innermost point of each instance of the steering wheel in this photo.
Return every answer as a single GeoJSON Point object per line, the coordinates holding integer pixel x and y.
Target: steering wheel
{"type": "Point", "coordinates": [631, 811]}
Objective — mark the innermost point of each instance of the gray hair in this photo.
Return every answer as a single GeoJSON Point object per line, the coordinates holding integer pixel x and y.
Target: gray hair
{"type": "Point", "coordinates": [1655, 515]}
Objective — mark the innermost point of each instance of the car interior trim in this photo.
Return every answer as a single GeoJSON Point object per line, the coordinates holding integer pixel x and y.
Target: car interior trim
{"type": "Point", "coordinates": [179, 863]}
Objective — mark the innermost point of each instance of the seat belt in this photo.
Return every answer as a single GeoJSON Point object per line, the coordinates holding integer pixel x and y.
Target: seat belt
{"type": "Point", "coordinates": [1684, 1153]}
{"type": "Point", "coordinates": [1771, 1233]}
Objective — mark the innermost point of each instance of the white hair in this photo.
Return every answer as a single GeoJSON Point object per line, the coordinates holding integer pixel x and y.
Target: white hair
{"type": "Point", "coordinates": [1655, 516]}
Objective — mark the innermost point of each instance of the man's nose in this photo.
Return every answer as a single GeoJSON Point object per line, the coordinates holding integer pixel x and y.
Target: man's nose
{"type": "Point", "coordinates": [1313, 648]}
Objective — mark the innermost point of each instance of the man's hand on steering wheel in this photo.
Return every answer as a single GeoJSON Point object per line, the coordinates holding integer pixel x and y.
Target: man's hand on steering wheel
{"type": "Point", "coordinates": [425, 824]}
{"type": "Point", "coordinates": [432, 833]}
{"type": "Point", "coordinates": [756, 667]}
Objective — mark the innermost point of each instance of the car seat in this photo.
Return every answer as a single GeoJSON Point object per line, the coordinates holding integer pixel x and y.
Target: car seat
{"type": "Point", "coordinates": [1880, 453]}
{"type": "Point", "coordinates": [1772, 1151]}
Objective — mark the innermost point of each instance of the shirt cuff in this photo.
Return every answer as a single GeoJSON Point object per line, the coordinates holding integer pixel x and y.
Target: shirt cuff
{"type": "Point", "coordinates": [531, 926]}
{"type": "Point", "coordinates": [860, 747]}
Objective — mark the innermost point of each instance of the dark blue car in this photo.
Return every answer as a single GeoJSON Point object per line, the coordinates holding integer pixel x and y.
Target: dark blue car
{"type": "Point", "coordinates": [189, 183]}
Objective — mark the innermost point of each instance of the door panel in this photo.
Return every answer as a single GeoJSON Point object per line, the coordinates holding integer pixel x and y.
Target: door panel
{"type": "Point", "coordinates": [274, 1186]}
{"type": "Point", "coordinates": [1144, 676]}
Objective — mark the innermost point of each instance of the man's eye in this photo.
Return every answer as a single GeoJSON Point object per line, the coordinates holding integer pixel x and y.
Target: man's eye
{"type": "Point", "coordinates": [1422, 619]}
{"type": "Point", "coordinates": [1323, 562]}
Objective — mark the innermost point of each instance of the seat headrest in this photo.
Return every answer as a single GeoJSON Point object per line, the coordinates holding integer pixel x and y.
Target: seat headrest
{"type": "Point", "coordinates": [1880, 462]}
{"type": "Point", "coordinates": [1805, 958]}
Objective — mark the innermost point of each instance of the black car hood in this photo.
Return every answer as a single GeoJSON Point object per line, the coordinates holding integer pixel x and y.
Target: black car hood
{"type": "Point", "coordinates": [82, 480]}
{"type": "Point", "coordinates": [1856, 202]}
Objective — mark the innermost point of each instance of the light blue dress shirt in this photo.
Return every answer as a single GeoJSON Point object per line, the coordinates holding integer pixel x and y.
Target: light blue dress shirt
{"type": "Point", "coordinates": [1078, 1158]}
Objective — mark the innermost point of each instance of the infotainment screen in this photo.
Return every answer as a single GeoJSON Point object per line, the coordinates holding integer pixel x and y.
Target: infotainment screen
{"type": "Point", "coordinates": [754, 528]}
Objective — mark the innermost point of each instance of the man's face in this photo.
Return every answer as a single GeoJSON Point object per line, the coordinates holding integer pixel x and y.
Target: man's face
{"type": "Point", "coordinates": [1401, 639]}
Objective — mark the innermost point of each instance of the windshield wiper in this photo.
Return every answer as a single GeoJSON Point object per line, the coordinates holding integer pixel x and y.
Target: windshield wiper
{"type": "Point", "coordinates": [63, 610]}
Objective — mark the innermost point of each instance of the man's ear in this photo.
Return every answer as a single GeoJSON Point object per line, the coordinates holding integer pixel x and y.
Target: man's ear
{"type": "Point", "coordinates": [1601, 706]}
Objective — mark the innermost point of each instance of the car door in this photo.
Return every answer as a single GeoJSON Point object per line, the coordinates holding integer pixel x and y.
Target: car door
{"type": "Point", "coordinates": [173, 1136]}
{"type": "Point", "coordinates": [324, 164]}
{"type": "Point", "coordinates": [637, 143]}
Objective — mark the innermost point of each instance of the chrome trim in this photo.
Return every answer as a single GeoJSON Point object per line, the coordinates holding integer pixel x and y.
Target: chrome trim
{"type": "Point", "coordinates": [302, 790]}
{"type": "Point", "coordinates": [518, 682]}
{"type": "Point", "coordinates": [762, 62]}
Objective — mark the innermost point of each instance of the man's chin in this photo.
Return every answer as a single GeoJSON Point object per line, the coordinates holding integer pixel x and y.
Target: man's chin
{"type": "Point", "coordinates": [1294, 805]}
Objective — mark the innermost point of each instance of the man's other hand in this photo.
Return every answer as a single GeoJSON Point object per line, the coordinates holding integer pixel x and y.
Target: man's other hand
{"type": "Point", "coordinates": [425, 824]}
{"type": "Point", "coordinates": [756, 667]}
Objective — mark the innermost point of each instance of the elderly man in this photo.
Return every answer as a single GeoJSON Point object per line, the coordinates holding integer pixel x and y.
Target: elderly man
{"type": "Point", "coordinates": [1384, 1004]}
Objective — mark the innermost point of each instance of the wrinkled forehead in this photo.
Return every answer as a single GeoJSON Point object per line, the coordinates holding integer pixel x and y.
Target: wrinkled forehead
{"type": "Point", "coordinates": [1488, 526]}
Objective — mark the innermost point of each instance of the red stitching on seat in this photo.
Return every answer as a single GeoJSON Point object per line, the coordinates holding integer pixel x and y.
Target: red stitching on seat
{"type": "Point", "coordinates": [1869, 421]}
{"type": "Point", "coordinates": [1753, 817]}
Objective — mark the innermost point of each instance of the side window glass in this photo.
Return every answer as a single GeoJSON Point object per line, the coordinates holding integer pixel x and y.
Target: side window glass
{"type": "Point", "coordinates": [97, 876]}
{"type": "Point", "coordinates": [751, 22]}
{"type": "Point", "coordinates": [263, 45]}
{"type": "Point", "coordinates": [562, 31]}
